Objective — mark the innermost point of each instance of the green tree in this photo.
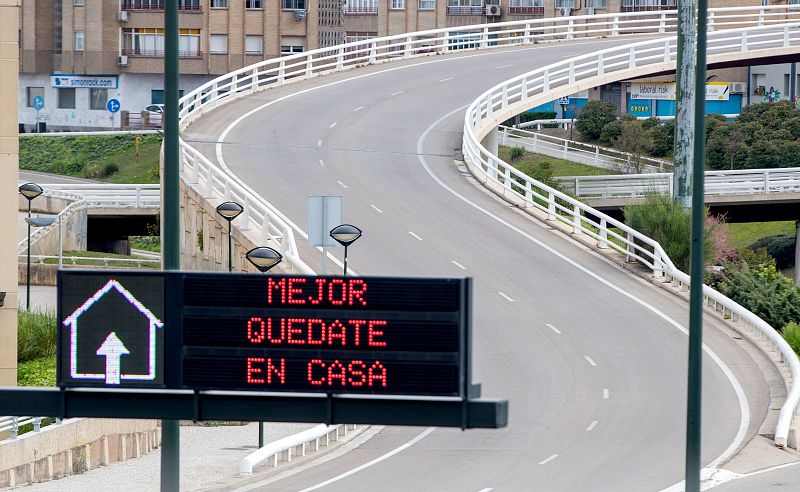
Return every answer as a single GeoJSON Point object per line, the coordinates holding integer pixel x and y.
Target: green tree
{"type": "Point", "coordinates": [635, 141]}
{"type": "Point", "coordinates": [593, 117]}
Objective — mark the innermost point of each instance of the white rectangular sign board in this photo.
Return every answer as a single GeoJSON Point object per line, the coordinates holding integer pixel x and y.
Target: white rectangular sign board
{"type": "Point", "coordinates": [715, 91]}
{"type": "Point", "coordinates": [89, 81]}
{"type": "Point", "coordinates": [324, 213]}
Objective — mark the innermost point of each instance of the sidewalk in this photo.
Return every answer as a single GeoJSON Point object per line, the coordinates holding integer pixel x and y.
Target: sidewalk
{"type": "Point", "coordinates": [207, 454]}
{"type": "Point", "coordinates": [43, 297]}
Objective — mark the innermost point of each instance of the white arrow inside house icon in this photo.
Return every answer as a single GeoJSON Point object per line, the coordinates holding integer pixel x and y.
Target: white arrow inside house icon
{"type": "Point", "coordinates": [113, 349]}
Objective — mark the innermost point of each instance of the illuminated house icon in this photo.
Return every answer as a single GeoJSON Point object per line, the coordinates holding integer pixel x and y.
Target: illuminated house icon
{"type": "Point", "coordinates": [152, 322]}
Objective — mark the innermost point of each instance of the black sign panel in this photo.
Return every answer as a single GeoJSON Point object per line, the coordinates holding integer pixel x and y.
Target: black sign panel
{"type": "Point", "coordinates": [361, 335]}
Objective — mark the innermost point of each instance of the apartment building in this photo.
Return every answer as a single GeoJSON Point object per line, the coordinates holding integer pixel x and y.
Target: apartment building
{"type": "Point", "coordinates": [78, 54]}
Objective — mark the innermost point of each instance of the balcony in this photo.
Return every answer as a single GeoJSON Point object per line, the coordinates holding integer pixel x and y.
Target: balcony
{"type": "Point", "coordinates": [157, 6]}
{"type": "Point", "coordinates": [361, 9]}
{"type": "Point", "coordinates": [647, 5]}
{"type": "Point", "coordinates": [465, 10]}
{"type": "Point", "coordinates": [159, 53]}
{"type": "Point", "coordinates": [526, 10]}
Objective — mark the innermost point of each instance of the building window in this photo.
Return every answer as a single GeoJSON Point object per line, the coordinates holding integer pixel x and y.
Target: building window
{"type": "Point", "coordinates": [361, 7]}
{"type": "Point", "coordinates": [464, 7]}
{"type": "Point", "coordinates": [293, 4]}
{"type": "Point", "coordinates": [219, 43]}
{"type": "Point", "coordinates": [427, 4]}
{"type": "Point", "coordinates": [597, 4]}
{"type": "Point", "coordinates": [157, 96]}
{"type": "Point", "coordinates": [33, 92]}
{"type": "Point", "coordinates": [644, 5]}
{"type": "Point", "coordinates": [66, 98]}
{"type": "Point", "coordinates": [398, 4]}
{"type": "Point", "coordinates": [219, 4]}
{"type": "Point", "coordinates": [253, 44]}
{"type": "Point", "coordinates": [288, 49]}
{"type": "Point", "coordinates": [78, 46]}
{"type": "Point", "coordinates": [565, 4]}
{"type": "Point", "coordinates": [98, 98]}
{"type": "Point", "coordinates": [150, 42]}
{"type": "Point", "coordinates": [191, 5]}
{"type": "Point", "coordinates": [252, 4]}
{"type": "Point", "coordinates": [527, 7]}
{"type": "Point", "coordinates": [79, 3]}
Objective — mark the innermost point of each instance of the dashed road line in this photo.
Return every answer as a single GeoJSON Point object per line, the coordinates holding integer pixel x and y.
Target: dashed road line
{"type": "Point", "coordinates": [334, 124]}
{"type": "Point", "coordinates": [342, 184]}
{"type": "Point", "coordinates": [396, 93]}
{"type": "Point", "coordinates": [504, 66]}
{"type": "Point", "coordinates": [605, 393]}
{"type": "Point", "coordinates": [376, 209]}
{"type": "Point", "coordinates": [591, 426]}
{"type": "Point", "coordinates": [445, 80]}
{"type": "Point", "coordinates": [553, 328]}
{"type": "Point", "coordinates": [590, 360]}
{"type": "Point", "coordinates": [359, 108]}
{"type": "Point", "coordinates": [548, 460]}
{"type": "Point", "coordinates": [487, 489]}
{"type": "Point", "coordinates": [322, 163]}
{"type": "Point", "coordinates": [319, 143]}
{"type": "Point", "coordinates": [506, 297]}
{"type": "Point", "coordinates": [459, 265]}
{"type": "Point", "coordinates": [415, 236]}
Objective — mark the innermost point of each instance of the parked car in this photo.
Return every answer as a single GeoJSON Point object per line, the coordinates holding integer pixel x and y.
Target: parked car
{"type": "Point", "coordinates": [155, 108]}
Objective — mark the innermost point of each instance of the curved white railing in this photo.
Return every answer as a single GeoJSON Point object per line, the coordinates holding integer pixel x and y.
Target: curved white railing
{"type": "Point", "coordinates": [268, 222]}
{"type": "Point", "coordinates": [530, 89]}
{"type": "Point", "coordinates": [739, 182]}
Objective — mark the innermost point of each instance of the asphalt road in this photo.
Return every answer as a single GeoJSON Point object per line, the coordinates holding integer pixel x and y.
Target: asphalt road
{"type": "Point", "coordinates": [591, 358]}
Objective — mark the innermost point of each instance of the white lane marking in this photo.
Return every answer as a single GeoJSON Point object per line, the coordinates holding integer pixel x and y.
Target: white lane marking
{"type": "Point", "coordinates": [605, 393]}
{"type": "Point", "coordinates": [505, 297]}
{"type": "Point", "coordinates": [590, 360]}
{"type": "Point", "coordinates": [505, 66]}
{"type": "Point", "coordinates": [415, 236]}
{"type": "Point", "coordinates": [342, 184]}
{"type": "Point", "coordinates": [445, 80]}
{"type": "Point", "coordinates": [322, 163]}
{"type": "Point", "coordinates": [459, 265]}
{"type": "Point", "coordinates": [548, 460]}
{"type": "Point", "coordinates": [553, 328]}
{"type": "Point", "coordinates": [487, 489]}
{"type": "Point", "coordinates": [357, 469]}
{"type": "Point", "coordinates": [334, 124]}
{"type": "Point", "coordinates": [376, 209]}
{"type": "Point", "coordinates": [359, 108]}
{"type": "Point", "coordinates": [591, 426]}
{"type": "Point", "coordinates": [319, 143]}
{"type": "Point", "coordinates": [744, 407]}
{"type": "Point", "coordinates": [396, 93]}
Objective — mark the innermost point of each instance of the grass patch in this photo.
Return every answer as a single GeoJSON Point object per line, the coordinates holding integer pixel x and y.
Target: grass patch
{"type": "Point", "coordinates": [559, 167]}
{"type": "Point", "coordinates": [742, 235]}
{"type": "Point", "coordinates": [110, 158]}
{"type": "Point", "coordinates": [146, 243]}
{"type": "Point", "coordinates": [130, 262]}
{"type": "Point", "coordinates": [36, 335]}
{"type": "Point", "coordinates": [37, 372]}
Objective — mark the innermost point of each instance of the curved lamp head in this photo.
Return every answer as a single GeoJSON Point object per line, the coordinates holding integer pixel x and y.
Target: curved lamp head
{"type": "Point", "coordinates": [40, 221]}
{"type": "Point", "coordinates": [30, 190]}
{"type": "Point", "coordinates": [229, 210]}
{"type": "Point", "coordinates": [263, 258]}
{"type": "Point", "coordinates": [345, 234]}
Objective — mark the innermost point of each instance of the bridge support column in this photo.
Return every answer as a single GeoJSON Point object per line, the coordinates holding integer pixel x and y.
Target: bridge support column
{"type": "Point", "coordinates": [9, 177]}
{"type": "Point", "coordinates": [797, 254]}
{"type": "Point", "coordinates": [490, 142]}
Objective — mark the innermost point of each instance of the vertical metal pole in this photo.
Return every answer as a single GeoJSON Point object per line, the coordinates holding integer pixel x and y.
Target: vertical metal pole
{"type": "Point", "coordinates": [260, 435]}
{"type": "Point", "coordinates": [793, 82]}
{"type": "Point", "coordinates": [797, 254]}
{"type": "Point", "coordinates": [695, 372]}
{"type": "Point", "coordinates": [685, 102]}
{"type": "Point", "coordinates": [324, 259]}
{"type": "Point", "coordinates": [60, 244]}
{"type": "Point", "coordinates": [345, 261]}
{"type": "Point", "coordinates": [170, 429]}
{"type": "Point", "coordinates": [28, 279]}
{"type": "Point", "coordinates": [230, 247]}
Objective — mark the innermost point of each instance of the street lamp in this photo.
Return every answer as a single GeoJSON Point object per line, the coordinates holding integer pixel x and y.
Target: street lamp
{"type": "Point", "coordinates": [229, 211]}
{"type": "Point", "coordinates": [29, 191]}
{"type": "Point", "coordinates": [345, 235]}
{"type": "Point", "coordinates": [263, 258]}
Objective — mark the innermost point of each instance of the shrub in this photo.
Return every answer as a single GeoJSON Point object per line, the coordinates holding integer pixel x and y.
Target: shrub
{"type": "Point", "coordinates": [635, 141]}
{"type": "Point", "coordinates": [36, 335]}
{"type": "Point", "coordinates": [109, 169]}
{"type": "Point", "coordinates": [791, 332]}
{"type": "Point", "coordinates": [663, 219]}
{"type": "Point", "coordinates": [780, 247]}
{"type": "Point", "coordinates": [662, 139]}
{"type": "Point", "coordinates": [763, 290]}
{"type": "Point", "coordinates": [593, 117]}
{"type": "Point", "coordinates": [650, 123]}
{"type": "Point", "coordinates": [516, 153]}
{"type": "Point", "coordinates": [610, 132]}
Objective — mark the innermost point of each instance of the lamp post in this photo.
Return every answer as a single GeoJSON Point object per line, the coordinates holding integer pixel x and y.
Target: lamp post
{"type": "Point", "coordinates": [263, 258]}
{"type": "Point", "coordinates": [345, 235]}
{"type": "Point", "coordinates": [29, 191]}
{"type": "Point", "coordinates": [229, 211]}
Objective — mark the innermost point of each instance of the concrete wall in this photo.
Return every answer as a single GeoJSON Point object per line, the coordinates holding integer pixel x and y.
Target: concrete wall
{"type": "Point", "coordinates": [9, 176]}
{"type": "Point", "coordinates": [74, 447]}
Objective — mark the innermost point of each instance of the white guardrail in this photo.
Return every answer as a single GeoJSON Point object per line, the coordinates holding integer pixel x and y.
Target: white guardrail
{"type": "Point", "coordinates": [741, 182]}
{"type": "Point", "coordinates": [91, 260]}
{"type": "Point", "coordinates": [265, 220]}
{"type": "Point", "coordinates": [12, 424]}
{"type": "Point", "coordinates": [532, 88]}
